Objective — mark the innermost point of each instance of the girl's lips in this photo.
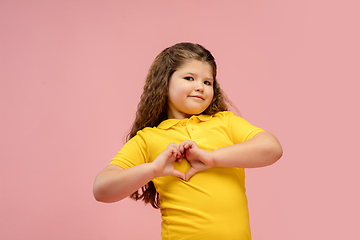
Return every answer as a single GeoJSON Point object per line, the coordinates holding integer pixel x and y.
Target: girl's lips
{"type": "Point", "coordinates": [197, 97]}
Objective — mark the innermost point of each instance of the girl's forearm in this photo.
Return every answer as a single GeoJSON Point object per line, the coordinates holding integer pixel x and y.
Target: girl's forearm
{"type": "Point", "coordinates": [114, 183]}
{"type": "Point", "coordinates": [262, 150]}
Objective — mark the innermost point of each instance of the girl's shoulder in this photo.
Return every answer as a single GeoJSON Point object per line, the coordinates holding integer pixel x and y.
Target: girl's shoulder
{"type": "Point", "coordinates": [228, 117]}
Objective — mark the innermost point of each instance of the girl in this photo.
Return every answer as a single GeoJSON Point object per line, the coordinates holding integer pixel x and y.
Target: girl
{"type": "Point", "coordinates": [187, 153]}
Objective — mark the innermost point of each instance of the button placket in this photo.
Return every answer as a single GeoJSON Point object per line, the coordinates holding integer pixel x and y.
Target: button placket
{"type": "Point", "coordinates": [184, 126]}
{"type": "Point", "coordinates": [190, 128]}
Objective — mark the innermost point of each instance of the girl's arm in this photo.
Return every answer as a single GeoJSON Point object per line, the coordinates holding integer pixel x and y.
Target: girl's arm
{"type": "Point", "coordinates": [261, 150]}
{"type": "Point", "coordinates": [115, 183]}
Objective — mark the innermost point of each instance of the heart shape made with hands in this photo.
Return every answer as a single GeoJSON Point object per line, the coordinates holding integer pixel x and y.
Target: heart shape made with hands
{"type": "Point", "coordinates": [197, 159]}
{"type": "Point", "coordinates": [189, 168]}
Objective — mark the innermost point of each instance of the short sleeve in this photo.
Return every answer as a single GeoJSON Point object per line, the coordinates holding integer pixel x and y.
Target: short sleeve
{"type": "Point", "coordinates": [240, 129]}
{"type": "Point", "coordinates": [134, 152]}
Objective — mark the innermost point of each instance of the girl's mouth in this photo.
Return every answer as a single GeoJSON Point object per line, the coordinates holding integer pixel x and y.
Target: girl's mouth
{"type": "Point", "coordinates": [197, 97]}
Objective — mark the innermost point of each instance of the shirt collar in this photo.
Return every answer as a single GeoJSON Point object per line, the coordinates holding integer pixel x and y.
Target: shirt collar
{"type": "Point", "coordinates": [168, 123]}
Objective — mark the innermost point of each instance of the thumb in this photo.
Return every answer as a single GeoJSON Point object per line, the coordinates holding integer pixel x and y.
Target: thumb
{"type": "Point", "coordinates": [178, 174]}
{"type": "Point", "coordinates": [190, 173]}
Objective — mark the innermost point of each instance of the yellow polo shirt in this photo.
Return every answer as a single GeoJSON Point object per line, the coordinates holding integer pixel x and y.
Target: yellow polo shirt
{"type": "Point", "coordinates": [212, 204]}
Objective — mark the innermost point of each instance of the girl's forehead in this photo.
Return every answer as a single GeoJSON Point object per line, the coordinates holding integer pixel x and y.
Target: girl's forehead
{"type": "Point", "coordinates": [193, 64]}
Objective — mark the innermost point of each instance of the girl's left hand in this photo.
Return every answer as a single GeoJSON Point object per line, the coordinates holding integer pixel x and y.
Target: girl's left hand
{"type": "Point", "coordinates": [199, 159]}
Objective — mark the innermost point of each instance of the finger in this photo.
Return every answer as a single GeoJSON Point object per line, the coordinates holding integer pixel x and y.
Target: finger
{"type": "Point", "coordinates": [182, 147]}
{"type": "Point", "coordinates": [190, 173]}
{"type": "Point", "coordinates": [185, 143]}
{"type": "Point", "coordinates": [175, 154]}
{"type": "Point", "coordinates": [179, 160]}
{"type": "Point", "coordinates": [170, 151]}
{"type": "Point", "coordinates": [179, 155]}
{"type": "Point", "coordinates": [188, 144]}
{"type": "Point", "coordinates": [178, 174]}
{"type": "Point", "coordinates": [175, 151]}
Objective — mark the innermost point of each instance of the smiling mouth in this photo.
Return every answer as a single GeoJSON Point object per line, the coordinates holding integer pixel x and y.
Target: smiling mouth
{"type": "Point", "coordinates": [197, 97]}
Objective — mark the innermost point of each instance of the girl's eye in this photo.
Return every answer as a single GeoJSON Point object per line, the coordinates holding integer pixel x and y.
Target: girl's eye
{"type": "Point", "coordinates": [207, 83]}
{"type": "Point", "coordinates": [189, 78]}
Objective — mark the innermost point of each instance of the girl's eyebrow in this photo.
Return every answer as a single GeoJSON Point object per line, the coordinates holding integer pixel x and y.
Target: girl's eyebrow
{"type": "Point", "coordinates": [191, 73]}
{"type": "Point", "coordinates": [194, 74]}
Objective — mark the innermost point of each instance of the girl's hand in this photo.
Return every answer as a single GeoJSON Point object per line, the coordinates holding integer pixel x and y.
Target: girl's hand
{"type": "Point", "coordinates": [199, 159]}
{"type": "Point", "coordinates": [163, 164]}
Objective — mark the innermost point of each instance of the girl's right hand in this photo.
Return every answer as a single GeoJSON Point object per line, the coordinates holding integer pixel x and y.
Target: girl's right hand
{"type": "Point", "coordinates": [163, 164]}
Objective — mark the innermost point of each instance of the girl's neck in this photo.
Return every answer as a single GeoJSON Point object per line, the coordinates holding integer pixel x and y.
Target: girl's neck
{"type": "Point", "coordinates": [179, 116]}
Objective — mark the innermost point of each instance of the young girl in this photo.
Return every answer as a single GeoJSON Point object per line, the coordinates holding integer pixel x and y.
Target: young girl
{"type": "Point", "coordinates": [187, 153]}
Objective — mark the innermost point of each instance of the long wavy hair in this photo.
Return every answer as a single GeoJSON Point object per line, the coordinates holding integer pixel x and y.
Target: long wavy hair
{"type": "Point", "coordinates": [153, 106]}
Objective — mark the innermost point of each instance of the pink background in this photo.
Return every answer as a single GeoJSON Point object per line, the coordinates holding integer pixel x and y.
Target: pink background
{"type": "Point", "coordinates": [72, 73]}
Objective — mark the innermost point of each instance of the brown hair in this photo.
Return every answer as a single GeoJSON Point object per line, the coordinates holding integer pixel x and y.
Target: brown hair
{"type": "Point", "coordinates": [152, 108]}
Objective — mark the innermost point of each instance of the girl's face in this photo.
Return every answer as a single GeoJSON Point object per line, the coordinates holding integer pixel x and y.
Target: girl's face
{"type": "Point", "coordinates": [190, 89]}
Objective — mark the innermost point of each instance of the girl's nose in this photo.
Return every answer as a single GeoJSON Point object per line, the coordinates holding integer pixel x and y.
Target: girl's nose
{"type": "Point", "coordinates": [199, 88]}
